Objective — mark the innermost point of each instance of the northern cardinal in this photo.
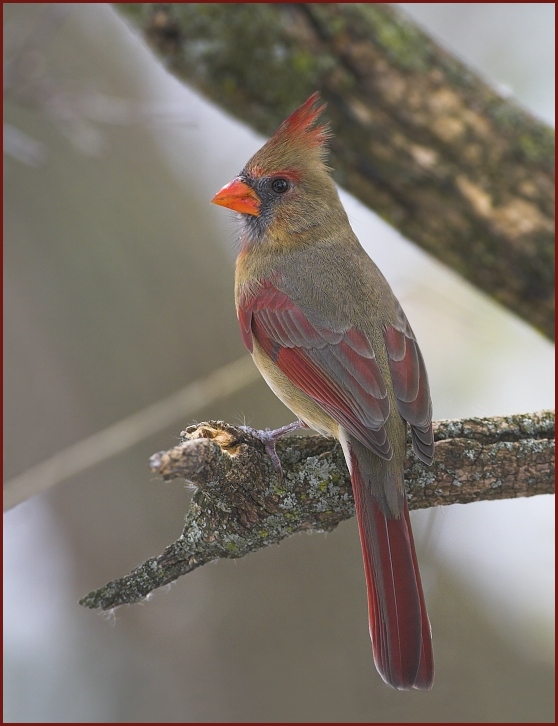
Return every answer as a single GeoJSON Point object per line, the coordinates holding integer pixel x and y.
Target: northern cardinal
{"type": "Point", "coordinates": [333, 343]}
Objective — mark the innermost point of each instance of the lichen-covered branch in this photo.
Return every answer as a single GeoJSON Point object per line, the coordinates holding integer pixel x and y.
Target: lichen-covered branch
{"type": "Point", "coordinates": [242, 505]}
{"type": "Point", "coordinates": [460, 170]}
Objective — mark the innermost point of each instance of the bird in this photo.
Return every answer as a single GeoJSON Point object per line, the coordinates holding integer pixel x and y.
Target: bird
{"type": "Point", "coordinates": [331, 340]}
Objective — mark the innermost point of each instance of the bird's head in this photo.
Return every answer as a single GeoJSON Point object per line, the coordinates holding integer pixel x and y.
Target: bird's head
{"type": "Point", "coordinates": [285, 189]}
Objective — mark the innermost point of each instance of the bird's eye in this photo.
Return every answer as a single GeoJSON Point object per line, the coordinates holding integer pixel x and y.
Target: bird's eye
{"type": "Point", "coordinates": [279, 186]}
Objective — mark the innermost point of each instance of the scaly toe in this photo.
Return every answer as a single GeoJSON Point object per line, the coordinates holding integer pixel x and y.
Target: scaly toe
{"type": "Point", "coordinates": [269, 439]}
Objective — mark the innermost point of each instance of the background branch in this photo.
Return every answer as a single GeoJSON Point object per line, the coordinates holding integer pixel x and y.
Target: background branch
{"type": "Point", "coordinates": [241, 505]}
{"type": "Point", "coordinates": [465, 173]}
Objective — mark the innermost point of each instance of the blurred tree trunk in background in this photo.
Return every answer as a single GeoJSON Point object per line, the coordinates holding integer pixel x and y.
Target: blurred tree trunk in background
{"type": "Point", "coordinates": [465, 173]}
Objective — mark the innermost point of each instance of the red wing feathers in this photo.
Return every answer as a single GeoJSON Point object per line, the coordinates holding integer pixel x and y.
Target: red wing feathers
{"type": "Point", "coordinates": [410, 384]}
{"type": "Point", "coordinates": [318, 359]}
{"type": "Point", "coordinates": [336, 368]}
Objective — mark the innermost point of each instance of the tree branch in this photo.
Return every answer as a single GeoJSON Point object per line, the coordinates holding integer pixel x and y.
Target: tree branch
{"type": "Point", "coordinates": [242, 505]}
{"type": "Point", "coordinates": [463, 172]}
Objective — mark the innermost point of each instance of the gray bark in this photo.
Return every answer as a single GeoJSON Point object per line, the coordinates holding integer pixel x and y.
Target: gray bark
{"type": "Point", "coordinates": [242, 505]}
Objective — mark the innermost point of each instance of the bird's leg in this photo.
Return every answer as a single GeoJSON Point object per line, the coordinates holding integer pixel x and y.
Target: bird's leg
{"type": "Point", "coordinates": [269, 439]}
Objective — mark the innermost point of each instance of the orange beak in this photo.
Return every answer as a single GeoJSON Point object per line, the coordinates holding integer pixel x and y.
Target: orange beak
{"type": "Point", "coordinates": [239, 197]}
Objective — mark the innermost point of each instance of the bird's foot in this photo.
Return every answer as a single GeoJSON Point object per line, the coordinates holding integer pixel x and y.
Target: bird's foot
{"type": "Point", "coordinates": [269, 439]}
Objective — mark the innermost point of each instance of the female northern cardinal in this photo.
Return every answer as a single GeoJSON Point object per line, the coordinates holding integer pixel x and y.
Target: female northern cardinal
{"type": "Point", "coordinates": [331, 340]}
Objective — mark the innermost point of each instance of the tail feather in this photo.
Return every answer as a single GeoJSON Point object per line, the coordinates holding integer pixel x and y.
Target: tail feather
{"type": "Point", "coordinates": [399, 625]}
{"type": "Point", "coordinates": [425, 675]}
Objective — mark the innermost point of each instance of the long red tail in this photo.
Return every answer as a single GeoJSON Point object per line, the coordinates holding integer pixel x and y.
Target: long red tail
{"type": "Point", "coordinates": [399, 625]}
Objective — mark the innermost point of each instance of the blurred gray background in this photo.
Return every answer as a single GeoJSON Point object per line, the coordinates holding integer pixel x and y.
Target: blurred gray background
{"type": "Point", "coordinates": [118, 279]}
